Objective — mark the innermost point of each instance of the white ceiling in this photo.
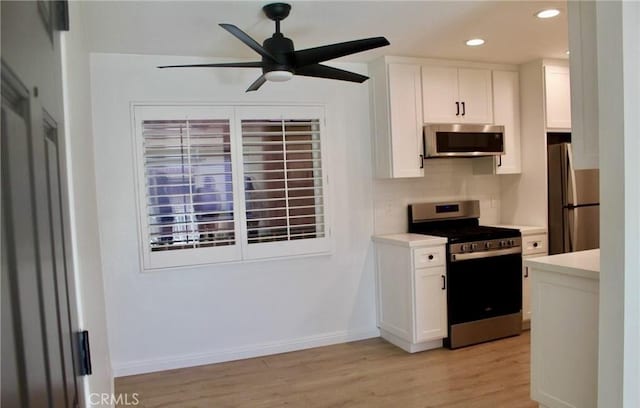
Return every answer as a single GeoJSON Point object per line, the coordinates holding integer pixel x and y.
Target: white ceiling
{"type": "Point", "coordinates": [436, 29]}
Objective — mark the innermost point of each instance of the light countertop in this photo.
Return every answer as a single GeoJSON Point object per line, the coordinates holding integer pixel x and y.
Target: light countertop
{"type": "Point", "coordinates": [524, 229]}
{"type": "Point", "coordinates": [584, 264]}
{"type": "Point", "coordinates": [410, 240]}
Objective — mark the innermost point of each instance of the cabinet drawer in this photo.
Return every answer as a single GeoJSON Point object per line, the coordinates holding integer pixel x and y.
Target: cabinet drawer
{"type": "Point", "coordinates": [428, 257]}
{"type": "Point", "coordinates": [534, 244]}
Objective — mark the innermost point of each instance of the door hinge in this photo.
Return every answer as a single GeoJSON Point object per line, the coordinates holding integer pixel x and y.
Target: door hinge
{"type": "Point", "coordinates": [84, 352]}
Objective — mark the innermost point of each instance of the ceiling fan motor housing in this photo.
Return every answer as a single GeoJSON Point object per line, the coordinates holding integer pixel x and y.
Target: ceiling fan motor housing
{"type": "Point", "coordinates": [281, 48]}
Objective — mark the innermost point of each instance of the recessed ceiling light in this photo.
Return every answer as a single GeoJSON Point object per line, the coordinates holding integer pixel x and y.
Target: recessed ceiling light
{"type": "Point", "coordinates": [474, 42]}
{"type": "Point", "coordinates": [547, 13]}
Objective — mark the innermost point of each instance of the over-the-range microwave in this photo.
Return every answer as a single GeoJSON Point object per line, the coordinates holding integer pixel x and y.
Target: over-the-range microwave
{"type": "Point", "coordinates": [461, 140]}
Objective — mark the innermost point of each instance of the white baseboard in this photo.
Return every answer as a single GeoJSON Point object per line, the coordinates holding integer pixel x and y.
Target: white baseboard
{"type": "Point", "coordinates": [408, 346]}
{"type": "Point", "coordinates": [238, 353]}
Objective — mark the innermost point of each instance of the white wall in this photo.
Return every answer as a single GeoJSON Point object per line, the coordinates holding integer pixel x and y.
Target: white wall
{"type": "Point", "coordinates": [82, 192]}
{"type": "Point", "coordinates": [444, 179]}
{"type": "Point", "coordinates": [175, 318]}
{"type": "Point", "coordinates": [617, 32]}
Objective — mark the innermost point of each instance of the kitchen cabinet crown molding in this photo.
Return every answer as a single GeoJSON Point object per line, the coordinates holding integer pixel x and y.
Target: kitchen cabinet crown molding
{"type": "Point", "coordinates": [449, 63]}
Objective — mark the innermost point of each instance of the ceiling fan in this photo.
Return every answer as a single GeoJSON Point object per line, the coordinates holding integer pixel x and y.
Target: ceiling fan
{"type": "Point", "coordinates": [280, 61]}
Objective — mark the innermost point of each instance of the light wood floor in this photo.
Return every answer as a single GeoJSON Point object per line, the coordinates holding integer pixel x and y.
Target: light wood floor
{"type": "Point", "coordinates": [369, 373]}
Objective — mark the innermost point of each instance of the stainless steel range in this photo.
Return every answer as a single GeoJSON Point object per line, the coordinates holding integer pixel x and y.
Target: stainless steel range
{"type": "Point", "coordinates": [484, 271]}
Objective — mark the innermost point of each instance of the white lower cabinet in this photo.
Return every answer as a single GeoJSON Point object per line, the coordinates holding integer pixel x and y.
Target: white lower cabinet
{"type": "Point", "coordinates": [564, 330]}
{"type": "Point", "coordinates": [411, 281]}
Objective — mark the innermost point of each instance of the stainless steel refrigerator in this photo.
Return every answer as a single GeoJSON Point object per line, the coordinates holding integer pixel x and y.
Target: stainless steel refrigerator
{"type": "Point", "coordinates": [574, 208]}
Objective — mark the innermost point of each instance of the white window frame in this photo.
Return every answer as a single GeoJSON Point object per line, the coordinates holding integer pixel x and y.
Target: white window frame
{"type": "Point", "coordinates": [241, 250]}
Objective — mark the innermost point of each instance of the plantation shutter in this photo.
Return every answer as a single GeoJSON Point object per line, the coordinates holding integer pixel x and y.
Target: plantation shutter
{"type": "Point", "coordinates": [188, 184]}
{"type": "Point", "coordinates": [283, 180]}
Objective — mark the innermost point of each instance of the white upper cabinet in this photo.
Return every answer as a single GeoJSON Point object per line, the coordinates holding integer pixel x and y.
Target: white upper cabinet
{"type": "Point", "coordinates": [456, 95]}
{"type": "Point", "coordinates": [506, 110]}
{"type": "Point", "coordinates": [397, 110]}
{"type": "Point", "coordinates": [557, 98]}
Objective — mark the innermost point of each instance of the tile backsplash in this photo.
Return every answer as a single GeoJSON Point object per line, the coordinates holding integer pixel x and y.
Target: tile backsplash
{"type": "Point", "coordinates": [445, 179]}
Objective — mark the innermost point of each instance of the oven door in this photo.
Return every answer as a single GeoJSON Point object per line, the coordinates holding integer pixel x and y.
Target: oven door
{"type": "Point", "coordinates": [484, 287]}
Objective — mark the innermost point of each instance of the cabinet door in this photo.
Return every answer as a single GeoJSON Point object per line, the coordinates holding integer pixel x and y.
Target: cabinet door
{"type": "Point", "coordinates": [430, 304]}
{"type": "Point", "coordinates": [474, 88]}
{"type": "Point", "coordinates": [557, 97]}
{"type": "Point", "coordinates": [526, 288]}
{"type": "Point", "coordinates": [506, 111]}
{"type": "Point", "coordinates": [440, 95]}
{"type": "Point", "coordinates": [405, 104]}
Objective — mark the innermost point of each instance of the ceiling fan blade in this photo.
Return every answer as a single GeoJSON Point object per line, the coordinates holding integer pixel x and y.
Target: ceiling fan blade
{"type": "Point", "coordinates": [244, 37]}
{"type": "Point", "coordinates": [327, 52]}
{"type": "Point", "coordinates": [257, 84]}
{"type": "Point", "coordinates": [324, 71]}
{"type": "Point", "coordinates": [253, 64]}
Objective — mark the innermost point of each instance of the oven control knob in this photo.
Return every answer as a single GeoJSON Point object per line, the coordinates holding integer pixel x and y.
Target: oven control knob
{"type": "Point", "coordinates": [464, 247]}
{"type": "Point", "coordinates": [512, 242]}
{"type": "Point", "coordinates": [487, 245]}
{"type": "Point", "coordinates": [503, 244]}
{"type": "Point", "coordinates": [474, 246]}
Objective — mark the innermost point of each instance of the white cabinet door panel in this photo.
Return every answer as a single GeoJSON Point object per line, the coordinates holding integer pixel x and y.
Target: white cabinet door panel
{"type": "Point", "coordinates": [405, 104]}
{"type": "Point", "coordinates": [558, 97]}
{"type": "Point", "coordinates": [475, 95]}
{"type": "Point", "coordinates": [440, 94]}
{"type": "Point", "coordinates": [506, 111]}
{"type": "Point", "coordinates": [430, 304]}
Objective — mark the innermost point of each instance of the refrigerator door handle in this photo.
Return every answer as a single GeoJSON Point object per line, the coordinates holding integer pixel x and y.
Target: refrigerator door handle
{"type": "Point", "coordinates": [574, 230]}
{"type": "Point", "coordinates": [572, 177]}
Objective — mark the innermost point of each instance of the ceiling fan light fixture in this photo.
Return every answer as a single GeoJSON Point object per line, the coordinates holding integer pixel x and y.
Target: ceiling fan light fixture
{"type": "Point", "coordinates": [548, 13]}
{"type": "Point", "coordinates": [278, 76]}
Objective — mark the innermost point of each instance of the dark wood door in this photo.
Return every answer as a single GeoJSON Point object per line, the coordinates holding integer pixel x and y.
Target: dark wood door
{"type": "Point", "coordinates": [39, 362]}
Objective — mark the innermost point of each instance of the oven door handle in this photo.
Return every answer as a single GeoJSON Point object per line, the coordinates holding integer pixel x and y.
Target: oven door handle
{"type": "Point", "coordinates": [485, 254]}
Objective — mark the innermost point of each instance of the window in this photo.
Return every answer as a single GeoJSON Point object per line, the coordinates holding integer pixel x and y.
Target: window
{"type": "Point", "coordinates": [229, 184]}
{"type": "Point", "coordinates": [189, 185]}
{"type": "Point", "coordinates": [283, 176]}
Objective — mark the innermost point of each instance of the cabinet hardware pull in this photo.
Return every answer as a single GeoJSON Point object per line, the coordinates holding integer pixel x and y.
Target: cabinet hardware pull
{"type": "Point", "coordinates": [535, 244]}
{"type": "Point", "coordinates": [431, 257]}
{"type": "Point", "coordinates": [457, 108]}
{"type": "Point", "coordinates": [444, 282]}
{"type": "Point", "coordinates": [463, 109]}
{"type": "Point", "coordinates": [526, 271]}
{"type": "Point", "coordinates": [422, 161]}
{"type": "Point", "coordinates": [500, 161]}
